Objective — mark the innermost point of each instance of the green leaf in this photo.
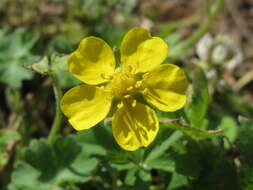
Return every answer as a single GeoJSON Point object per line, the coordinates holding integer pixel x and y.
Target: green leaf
{"type": "Point", "coordinates": [59, 67]}
{"type": "Point", "coordinates": [58, 63]}
{"type": "Point", "coordinates": [163, 163]}
{"type": "Point", "coordinates": [124, 166]}
{"type": "Point", "coordinates": [131, 176]}
{"type": "Point", "coordinates": [197, 103]}
{"type": "Point", "coordinates": [41, 66]}
{"type": "Point", "coordinates": [194, 132]}
{"type": "Point", "coordinates": [66, 162]}
{"type": "Point", "coordinates": [145, 175]}
{"type": "Point", "coordinates": [118, 157]}
{"type": "Point", "coordinates": [13, 73]}
{"type": "Point", "coordinates": [143, 180]}
{"type": "Point", "coordinates": [7, 140]}
{"type": "Point", "coordinates": [189, 162]}
{"type": "Point", "coordinates": [177, 181]}
{"type": "Point", "coordinates": [166, 29]}
{"type": "Point", "coordinates": [245, 141]}
{"type": "Point", "coordinates": [206, 166]}
{"type": "Point", "coordinates": [246, 176]}
{"type": "Point", "coordinates": [25, 177]}
{"type": "Point", "coordinates": [16, 44]}
{"type": "Point", "coordinates": [173, 39]}
{"type": "Point", "coordinates": [59, 44]}
{"type": "Point", "coordinates": [40, 156]}
{"type": "Point", "coordinates": [230, 129]}
{"type": "Point", "coordinates": [99, 136]}
{"type": "Point", "coordinates": [66, 80]}
{"type": "Point", "coordinates": [162, 148]}
{"type": "Point", "coordinates": [15, 52]}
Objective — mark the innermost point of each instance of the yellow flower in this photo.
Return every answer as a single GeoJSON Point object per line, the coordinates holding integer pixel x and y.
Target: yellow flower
{"type": "Point", "coordinates": [140, 74]}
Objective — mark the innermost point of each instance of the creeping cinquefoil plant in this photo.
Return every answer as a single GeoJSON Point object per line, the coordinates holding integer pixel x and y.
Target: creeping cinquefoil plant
{"type": "Point", "coordinates": [129, 92]}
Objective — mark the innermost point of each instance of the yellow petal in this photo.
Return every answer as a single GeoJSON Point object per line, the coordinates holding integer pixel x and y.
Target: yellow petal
{"type": "Point", "coordinates": [134, 127]}
{"type": "Point", "coordinates": [165, 87]}
{"type": "Point", "coordinates": [93, 62]}
{"type": "Point", "coordinates": [141, 51]}
{"type": "Point", "coordinates": [85, 106]}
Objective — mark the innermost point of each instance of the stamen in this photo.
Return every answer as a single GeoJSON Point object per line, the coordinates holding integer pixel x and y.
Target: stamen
{"type": "Point", "coordinates": [138, 84]}
{"type": "Point", "coordinates": [130, 68]}
{"type": "Point", "coordinates": [145, 76]}
{"type": "Point", "coordinates": [107, 77]}
{"type": "Point", "coordinates": [120, 105]}
{"type": "Point", "coordinates": [134, 103]}
{"type": "Point", "coordinates": [130, 88]}
{"type": "Point", "coordinates": [145, 91]}
{"type": "Point", "coordinates": [127, 96]}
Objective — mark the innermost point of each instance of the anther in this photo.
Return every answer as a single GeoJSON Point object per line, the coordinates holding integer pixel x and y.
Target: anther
{"type": "Point", "coordinates": [145, 91]}
{"type": "Point", "coordinates": [127, 96]}
{"type": "Point", "coordinates": [145, 76]}
{"type": "Point", "coordinates": [120, 105]}
{"type": "Point", "coordinates": [130, 68]}
{"type": "Point", "coordinates": [130, 88]}
{"type": "Point", "coordinates": [134, 103]}
{"type": "Point", "coordinates": [138, 84]}
{"type": "Point", "coordinates": [108, 77]}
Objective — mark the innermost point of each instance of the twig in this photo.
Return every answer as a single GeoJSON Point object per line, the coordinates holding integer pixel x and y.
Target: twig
{"type": "Point", "coordinates": [58, 115]}
{"type": "Point", "coordinates": [181, 122]}
{"type": "Point", "coordinates": [180, 49]}
{"type": "Point", "coordinates": [237, 17]}
{"type": "Point", "coordinates": [244, 80]}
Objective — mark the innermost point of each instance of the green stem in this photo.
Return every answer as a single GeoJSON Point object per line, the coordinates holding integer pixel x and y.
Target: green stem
{"type": "Point", "coordinates": [180, 49]}
{"type": "Point", "coordinates": [58, 115]}
{"type": "Point", "coordinates": [207, 6]}
{"type": "Point", "coordinates": [20, 122]}
{"type": "Point", "coordinates": [114, 181]}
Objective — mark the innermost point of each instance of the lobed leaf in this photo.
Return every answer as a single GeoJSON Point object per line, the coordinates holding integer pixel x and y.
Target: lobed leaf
{"type": "Point", "coordinates": [15, 52]}
{"type": "Point", "coordinates": [197, 103]}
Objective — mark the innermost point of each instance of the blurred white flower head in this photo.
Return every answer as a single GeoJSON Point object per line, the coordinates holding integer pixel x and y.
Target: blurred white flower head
{"type": "Point", "coordinates": [219, 50]}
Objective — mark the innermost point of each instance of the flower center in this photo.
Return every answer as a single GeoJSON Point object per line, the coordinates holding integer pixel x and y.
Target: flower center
{"type": "Point", "coordinates": [122, 83]}
{"type": "Point", "coordinates": [123, 86]}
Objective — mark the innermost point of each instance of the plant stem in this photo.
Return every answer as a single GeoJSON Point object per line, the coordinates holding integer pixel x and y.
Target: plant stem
{"type": "Point", "coordinates": [58, 115]}
{"type": "Point", "coordinates": [207, 6]}
{"type": "Point", "coordinates": [114, 181]}
{"type": "Point", "coordinates": [180, 49]}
